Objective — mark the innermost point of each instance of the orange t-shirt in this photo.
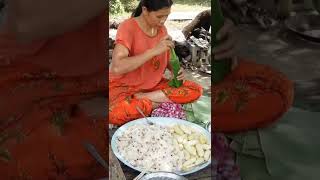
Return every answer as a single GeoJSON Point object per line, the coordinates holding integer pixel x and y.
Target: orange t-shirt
{"type": "Point", "coordinates": [147, 76]}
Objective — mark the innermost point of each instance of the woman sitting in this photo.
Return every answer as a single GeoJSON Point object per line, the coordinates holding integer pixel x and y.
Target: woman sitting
{"type": "Point", "coordinates": [140, 58]}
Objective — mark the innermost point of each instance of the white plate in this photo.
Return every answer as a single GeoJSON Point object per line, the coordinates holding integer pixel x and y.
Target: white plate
{"type": "Point", "coordinates": [164, 121]}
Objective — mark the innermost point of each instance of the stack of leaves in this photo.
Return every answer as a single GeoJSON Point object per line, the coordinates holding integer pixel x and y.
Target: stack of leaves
{"type": "Point", "coordinates": [175, 64]}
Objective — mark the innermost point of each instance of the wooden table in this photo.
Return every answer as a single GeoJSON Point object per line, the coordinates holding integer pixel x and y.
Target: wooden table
{"type": "Point", "coordinates": [204, 174]}
{"type": "Point", "coordinates": [115, 170]}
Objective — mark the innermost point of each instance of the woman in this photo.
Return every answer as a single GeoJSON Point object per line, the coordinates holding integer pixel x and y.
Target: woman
{"type": "Point", "coordinates": [140, 58]}
{"type": "Point", "coordinates": [48, 65]}
{"type": "Point", "coordinates": [252, 95]}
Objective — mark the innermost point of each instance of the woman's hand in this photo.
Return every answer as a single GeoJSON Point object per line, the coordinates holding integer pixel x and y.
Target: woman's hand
{"type": "Point", "coordinates": [181, 74]}
{"type": "Point", "coordinates": [164, 45]}
{"type": "Point", "coordinates": [227, 49]}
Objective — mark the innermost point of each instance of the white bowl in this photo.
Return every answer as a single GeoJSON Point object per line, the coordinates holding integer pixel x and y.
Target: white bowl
{"type": "Point", "coordinates": [164, 121]}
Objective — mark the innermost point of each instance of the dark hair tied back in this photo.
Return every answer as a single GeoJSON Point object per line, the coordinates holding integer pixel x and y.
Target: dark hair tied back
{"type": "Point", "coordinates": [151, 5]}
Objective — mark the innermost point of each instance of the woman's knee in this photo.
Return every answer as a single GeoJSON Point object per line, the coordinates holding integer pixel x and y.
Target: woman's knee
{"type": "Point", "coordinates": [195, 90]}
{"type": "Point", "coordinates": [189, 92]}
{"type": "Point", "coordinates": [126, 111]}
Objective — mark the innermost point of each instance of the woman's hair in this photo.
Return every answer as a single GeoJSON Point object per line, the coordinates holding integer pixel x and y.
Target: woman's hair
{"type": "Point", "coordinates": [151, 5]}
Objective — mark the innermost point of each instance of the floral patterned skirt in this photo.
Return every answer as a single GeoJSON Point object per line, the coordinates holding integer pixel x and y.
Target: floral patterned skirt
{"type": "Point", "coordinates": [252, 96]}
{"type": "Point", "coordinates": [225, 166]}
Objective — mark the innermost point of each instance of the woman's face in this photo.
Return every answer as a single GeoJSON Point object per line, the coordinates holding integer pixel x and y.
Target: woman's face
{"type": "Point", "coordinates": [156, 18]}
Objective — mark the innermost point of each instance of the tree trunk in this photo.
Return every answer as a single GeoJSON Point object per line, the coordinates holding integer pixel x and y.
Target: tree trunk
{"type": "Point", "coordinates": [201, 20]}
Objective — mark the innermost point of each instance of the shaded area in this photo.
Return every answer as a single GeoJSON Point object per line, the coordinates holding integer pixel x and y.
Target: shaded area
{"type": "Point", "coordinates": [287, 144]}
{"type": "Point", "coordinates": [288, 53]}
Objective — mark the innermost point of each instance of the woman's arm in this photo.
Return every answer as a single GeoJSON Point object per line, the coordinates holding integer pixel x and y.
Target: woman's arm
{"type": "Point", "coordinates": [122, 63]}
{"type": "Point", "coordinates": [35, 19]}
{"type": "Point", "coordinates": [169, 67]}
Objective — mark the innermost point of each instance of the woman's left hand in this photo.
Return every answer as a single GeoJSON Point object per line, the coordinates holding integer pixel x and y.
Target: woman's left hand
{"type": "Point", "coordinates": [228, 37]}
{"type": "Point", "coordinates": [181, 74]}
{"type": "Point", "coordinates": [228, 47]}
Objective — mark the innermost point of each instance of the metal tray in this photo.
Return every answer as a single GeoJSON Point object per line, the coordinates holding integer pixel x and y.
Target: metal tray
{"type": "Point", "coordinates": [162, 176]}
{"type": "Point", "coordinates": [164, 121]}
{"type": "Point", "coordinates": [306, 26]}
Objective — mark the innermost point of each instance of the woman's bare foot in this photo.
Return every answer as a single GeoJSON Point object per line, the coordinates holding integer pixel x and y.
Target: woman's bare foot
{"type": "Point", "coordinates": [155, 96]}
{"type": "Point", "coordinates": [144, 95]}
{"type": "Point", "coordinates": [155, 105]}
{"type": "Point", "coordinates": [140, 95]}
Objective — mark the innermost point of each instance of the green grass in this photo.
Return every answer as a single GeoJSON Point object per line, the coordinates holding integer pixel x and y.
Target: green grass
{"type": "Point", "coordinates": [186, 7]}
{"type": "Point", "coordinates": [193, 2]}
{"type": "Point", "coordinates": [121, 16]}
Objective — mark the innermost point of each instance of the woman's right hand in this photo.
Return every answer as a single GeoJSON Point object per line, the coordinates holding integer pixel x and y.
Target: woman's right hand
{"type": "Point", "coordinates": [164, 45]}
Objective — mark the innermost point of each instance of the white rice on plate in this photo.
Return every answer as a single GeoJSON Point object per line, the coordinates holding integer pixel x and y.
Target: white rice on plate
{"type": "Point", "coordinates": [150, 145]}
